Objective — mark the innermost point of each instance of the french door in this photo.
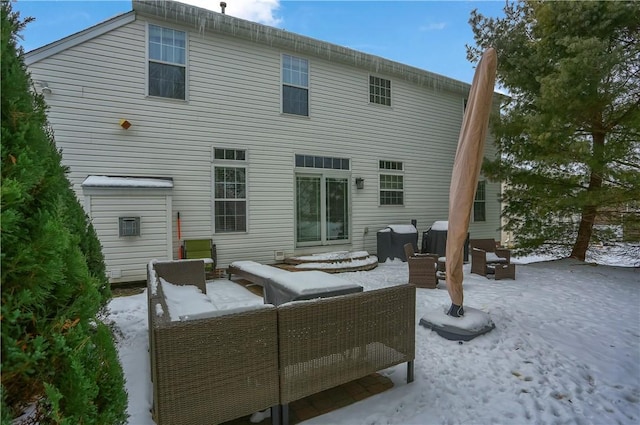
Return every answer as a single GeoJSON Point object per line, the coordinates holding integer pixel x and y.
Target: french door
{"type": "Point", "coordinates": [322, 209]}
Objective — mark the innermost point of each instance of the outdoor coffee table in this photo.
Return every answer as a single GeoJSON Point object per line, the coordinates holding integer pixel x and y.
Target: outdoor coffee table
{"type": "Point", "coordinates": [306, 285]}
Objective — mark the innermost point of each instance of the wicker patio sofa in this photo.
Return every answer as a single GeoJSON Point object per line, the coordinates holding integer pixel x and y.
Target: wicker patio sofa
{"type": "Point", "coordinates": [209, 370]}
{"type": "Point", "coordinates": [214, 369]}
{"type": "Point", "coordinates": [330, 341]}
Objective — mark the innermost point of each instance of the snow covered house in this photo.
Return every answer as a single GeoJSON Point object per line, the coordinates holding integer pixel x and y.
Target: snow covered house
{"type": "Point", "coordinates": [271, 143]}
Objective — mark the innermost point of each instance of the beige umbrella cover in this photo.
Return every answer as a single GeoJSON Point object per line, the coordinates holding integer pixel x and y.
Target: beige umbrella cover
{"type": "Point", "coordinates": [466, 169]}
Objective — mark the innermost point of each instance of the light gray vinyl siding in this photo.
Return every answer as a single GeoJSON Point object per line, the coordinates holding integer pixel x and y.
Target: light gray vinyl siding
{"type": "Point", "coordinates": [127, 257]}
{"type": "Point", "coordinates": [234, 101]}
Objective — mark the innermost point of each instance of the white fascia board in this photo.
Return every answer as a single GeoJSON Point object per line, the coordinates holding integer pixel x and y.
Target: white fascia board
{"type": "Point", "coordinates": [78, 38]}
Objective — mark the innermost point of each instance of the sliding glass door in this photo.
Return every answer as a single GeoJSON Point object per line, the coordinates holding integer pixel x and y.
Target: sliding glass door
{"type": "Point", "coordinates": [308, 206]}
{"type": "Point", "coordinates": [322, 209]}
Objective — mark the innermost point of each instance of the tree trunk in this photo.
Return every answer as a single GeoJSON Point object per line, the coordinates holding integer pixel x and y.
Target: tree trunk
{"type": "Point", "coordinates": [584, 232]}
{"type": "Point", "coordinates": [590, 210]}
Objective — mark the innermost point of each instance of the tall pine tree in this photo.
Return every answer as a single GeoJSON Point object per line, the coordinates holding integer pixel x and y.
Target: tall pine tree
{"type": "Point", "coordinates": [58, 359]}
{"type": "Point", "coordinates": [569, 137]}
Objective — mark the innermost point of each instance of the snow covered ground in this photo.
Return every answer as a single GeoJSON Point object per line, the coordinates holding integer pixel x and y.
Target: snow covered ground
{"type": "Point", "coordinates": [565, 350]}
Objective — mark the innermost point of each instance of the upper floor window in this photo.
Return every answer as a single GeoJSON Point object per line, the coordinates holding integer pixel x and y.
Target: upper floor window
{"type": "Point", "coordinates": [167, 62]}
{"type": "Point", "coordinates": [379, 90]}
{"type": "Point", "coordinates": [230, 193]}
{"type": "Point", "coordinates": [295, 85]}
{"type": "Point", "coordinates": [391, 183]}
{"type": "Point", "coordinates": [479, 204]}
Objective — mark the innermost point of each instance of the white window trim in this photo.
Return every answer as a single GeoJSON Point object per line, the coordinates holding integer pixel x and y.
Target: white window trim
{"type": "Point", "coordinates": [186, 65]}
{"type": "Point", "coordinates": [386, 172]}
{"type": "Point", "coordinates": [484, 201]}
{"type": "Point", "coordinates": [282, 83]}
{"type": "Point", "coordinates": [369, 88]}
{"type": "Point", "coordinates": [229, 163]}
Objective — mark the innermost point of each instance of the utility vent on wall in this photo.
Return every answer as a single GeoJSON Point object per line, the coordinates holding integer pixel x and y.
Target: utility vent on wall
{"type": "Point", "coordinates": [278, 255]}
{"type": "Point", "coordinates": [128, 226]}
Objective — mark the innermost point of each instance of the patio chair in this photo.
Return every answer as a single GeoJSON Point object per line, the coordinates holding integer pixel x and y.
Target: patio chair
{"type": "Point", "coordinates": [487, 257]}
{"type": "Point", "coordinates": [200, 248]}
{"type": "Point", "coordinates": [423, 268]}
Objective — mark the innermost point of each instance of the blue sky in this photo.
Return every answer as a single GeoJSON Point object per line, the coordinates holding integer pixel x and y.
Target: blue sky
{"type": "Point", "coordinates": [426, 34]}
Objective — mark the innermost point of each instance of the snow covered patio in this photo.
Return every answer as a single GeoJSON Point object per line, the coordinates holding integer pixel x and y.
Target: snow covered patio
{"type": "Point", "coordinates": [566, 349]}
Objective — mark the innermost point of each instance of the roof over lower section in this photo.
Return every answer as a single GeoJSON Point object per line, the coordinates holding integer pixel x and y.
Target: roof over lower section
{"type": "Point", "coordinates": [121, 182]}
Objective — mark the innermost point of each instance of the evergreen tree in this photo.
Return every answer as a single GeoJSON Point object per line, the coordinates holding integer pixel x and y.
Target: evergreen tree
{"type": "Point", "coordinates": [57, 357]}
{"type": "Point", "coordinates": [569, 135]}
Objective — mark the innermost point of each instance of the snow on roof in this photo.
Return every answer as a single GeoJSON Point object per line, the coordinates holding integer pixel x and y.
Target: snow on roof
{"type": "Point", "coordinates": [140, 182]}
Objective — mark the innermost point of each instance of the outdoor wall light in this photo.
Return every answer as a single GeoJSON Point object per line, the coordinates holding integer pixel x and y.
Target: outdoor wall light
{"type": "Point", "coordinates": [359, 183]}
{"type": "Point", "coordinates": [44, 87]}
{"type": "Point", "coordinates": [125, 124]}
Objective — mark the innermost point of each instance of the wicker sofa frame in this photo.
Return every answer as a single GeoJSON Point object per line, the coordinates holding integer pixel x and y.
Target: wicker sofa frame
{"type": "Point", "coordinates": [330, 341]}
{"type": "Point", "coordinates": [216, 369]}
{"type": "Point", "coordinates": [210, 370]}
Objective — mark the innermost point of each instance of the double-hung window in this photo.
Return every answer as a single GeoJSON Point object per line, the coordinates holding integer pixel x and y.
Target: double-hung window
{"type": "Point", "coordinates": [167, 62]}
{"type": "Point", "coordinates": [230, 190]}
{"type": "Point", "coordinates": [295, 85]}
{"type": "Point", "coordinates": [379, 90]}
{"type": "Point", "coordinates": [479, 204]}
{"type": "Point", "coordinates": [391, 183]}
{"type": "Point", "coordinates": [322, 200]}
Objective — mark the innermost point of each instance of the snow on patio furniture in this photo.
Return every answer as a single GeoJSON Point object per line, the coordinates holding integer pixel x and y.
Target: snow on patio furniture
{"type": "Point", "coordinates": [423, 268]}
{"type": "Point", "coordinates": [187, 272]}
{"type": "Point", "coordinates": [327, 342]}
{"type": "Point", "coordinates": [434, 240]}
{"type": "Point", "coordinates": [391, 240]}
{"type": "Point", "coordinates": [254, 272]}
{"type": "Point", "coordinates": [488, 258]}
{"type": "Point", "coordinates": [295, 286]}
{"type": "Point", "coordinates": [207, 366]}
{"type": "Point", "coordinates": [281, 286]}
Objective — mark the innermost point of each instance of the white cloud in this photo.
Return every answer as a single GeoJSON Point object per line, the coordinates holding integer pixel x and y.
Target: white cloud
{"type": "Point", "coordinates": [261, 11]}
{"type": "Point", "coordinates": [437, 26]}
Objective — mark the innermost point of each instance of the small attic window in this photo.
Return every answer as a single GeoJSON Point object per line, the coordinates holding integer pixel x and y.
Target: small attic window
{"type": "Point", "coordinates": [128, 226]}
{"type": "Point", "coordinates": [379, 90]}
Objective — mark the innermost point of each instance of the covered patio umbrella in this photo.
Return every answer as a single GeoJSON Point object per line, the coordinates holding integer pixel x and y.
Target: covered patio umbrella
{"type": "Point", "coordinates": [464, 180]}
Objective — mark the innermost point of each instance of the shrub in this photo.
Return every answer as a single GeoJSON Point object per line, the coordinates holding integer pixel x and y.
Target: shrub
{"type": "Point", "coordinates": [57, 358]}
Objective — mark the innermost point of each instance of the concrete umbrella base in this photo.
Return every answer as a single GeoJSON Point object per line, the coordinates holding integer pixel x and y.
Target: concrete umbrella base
{"type": "Point", "coordinates": [474, 323]}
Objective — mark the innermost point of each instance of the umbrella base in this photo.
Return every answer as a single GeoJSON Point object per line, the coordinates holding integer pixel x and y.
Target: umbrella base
{"type": "Point", "coordinates": [474, 323]}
